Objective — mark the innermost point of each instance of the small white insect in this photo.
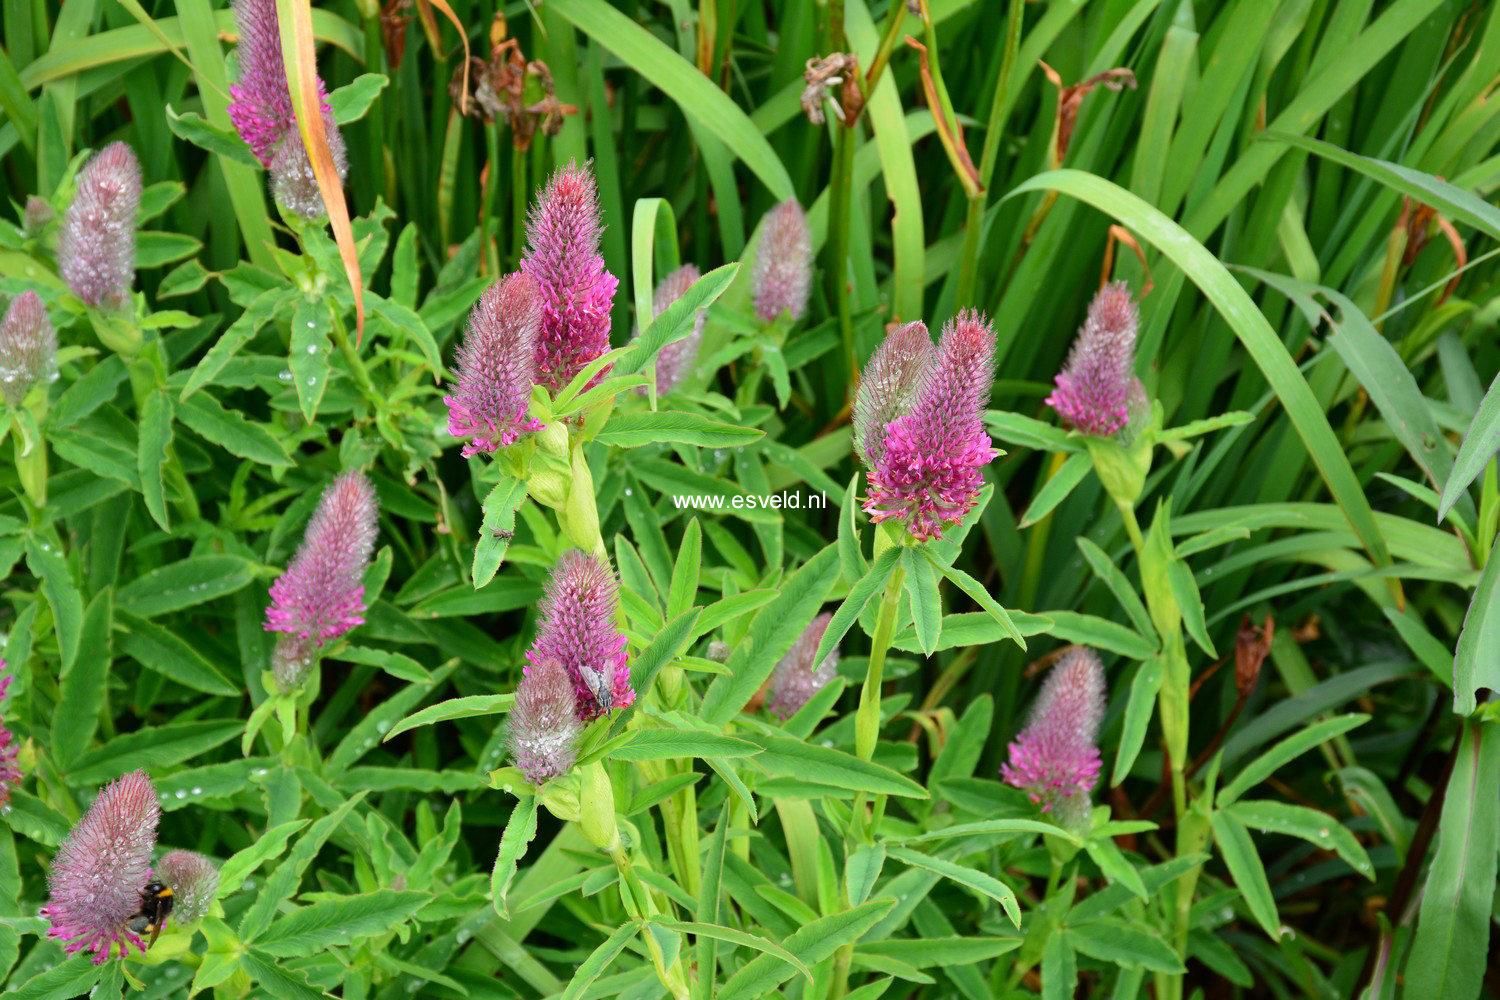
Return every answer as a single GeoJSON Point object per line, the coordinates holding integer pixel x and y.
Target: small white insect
{"type": "Point", "coordinates": [598, 685]}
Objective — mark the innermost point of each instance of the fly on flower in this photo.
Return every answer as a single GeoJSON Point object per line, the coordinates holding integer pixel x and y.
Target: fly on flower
{"type": "Point", "coordinates": [598, 685]}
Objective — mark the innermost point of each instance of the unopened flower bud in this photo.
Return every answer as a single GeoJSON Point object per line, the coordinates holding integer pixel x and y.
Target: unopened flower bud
{"type": "Point", "coordinates": [782, 279]}
{"type": "Point", "coordinates": [497, 367]}
{"type": "Point", "coordinates": [888, 385]}
{"type": "Point", "coordinates": [28, 347]}
{"type": "Point", "coordinates": [1097, 384]}
{"type": "Point", "coordinates": [37, 215]}
{"type": "Point", "coordinates": [96, 249]}
{"type": "Point", "coordinates": [10, 770]}
{"type": "Point", "coordinates": [543, 727]}
{"type": "Point", "coordinates": [674, 362]}
{"type": "Point", "coordinates": [194, 881]}
{"type": "Point", "coordinates": [797, 678]}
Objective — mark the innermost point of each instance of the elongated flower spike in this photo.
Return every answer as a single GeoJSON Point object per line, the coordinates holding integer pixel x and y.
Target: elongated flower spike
{"type": "Point", "coordinates": [782, 279]}
{"type": "Point", "coordinates": [95, 883]}
{"type": "Point", "coordinates": [194, 881]}
{"type": "Point", "coordinates": [96, 248]}
{"type": "Point", "coordinates": [1097, 387]}
{"type": "Point", "coordinates": [497, 367]}
{"type": "Point", "coordinates": [1055, 759]}
{"type": "Point", "coordinates": [562, 254]}
{"type": "Point", "coordinates": [321, 595]}
{"type": "Point", "coordinates": [888, 385]}
{"type": "Point", "coordinates": [797, 678]}
{"type": "Point", "coordinates": [28, 347]}
{"type": "Point", "coordinates": [36, 216]}
{"type": "Point", "coordinates": [577, 629]}
{"type": "Point", "coordinates": [10, 770]}
{"type": "Point", "coordinates": [927, 475]}
{"type": "Point", "coordinates": [543, 728]}
{"type": "Point", "coordinates": [261, 111]}
{"type": "Point", "coordinates": [675, 361]}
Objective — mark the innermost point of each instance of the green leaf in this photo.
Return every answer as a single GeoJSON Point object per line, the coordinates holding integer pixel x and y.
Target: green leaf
{"type": "Point", "coordinates": [771, 634]}
{"type": "Point", "coordinates": [682, 592]}
{"type": "Point", "coordinates": [1448, 954]}
{"type": "Point", "coordinates": [930, 952]}
{"type": "Point", "coordinates": [72, 977]}
{"type": "Point", "coordinates": [926, 605]}
{"type": "Point", "coordinates": [633, 429]}
{"type": "Point", "coordinates": [151, 456]}
{"type": "Point", "coordinates": [669, 643]}
{"type": "Point", "coordinates": [1101, 634]}
{"type": "Point", "coordinates": [161, 650]}
{"type": "Point", "coordinates": [860, 595]}
{"type": "Point", "coordinates": [1317, 828]}
{"type": "Point", "coordinates": [47, 564]}
{"type": "Point", "coordinates": [827, 766]}
{"type": "Point", "coordinates": [76, 717]}
{"type": "Point", "coordinates": [519, 831]}
{"type": "Point", "coordinates": [183, 584]}
{"type": "Point", "coordinates": [973, 878]}
{"type": "Point", "coordinates": [667, 744]}
{"type": "Point", "coordinates": [996, 828]}
{"type": "Point", "coordinates": [230, 431]}
{"type": "Point", "coordinates": [1249, 325]}
{"type": "Point", "coordinates": [240, 333]}
{"type": "Point", "coordinates": [1190, 603]}
{"type": "Point", "coordinates": [312, 325]}
{"type": "Point", "coordinates": [202, 133]}
{"type": "Point", "coordinates": [1476, 662]}
{"type": "Point", "coordinates": [676, 321]}
{"type": "Point", "coordinates": [151, 748]}
{"type": "Point", "coordinates": [276, 981]}
{"type": "Point", "coordinates": [593, 967]}
{"type": "Point", "coordinates": [396, 664]}
{"type": "Point", "coordinates": [811, 943]}
{"type": "Point", "coordinates": [352, 101]}
{"type": "Point", "coordinates": [755, 941]}
{"type": "Point", "coordinates": [243, 863]}
{"type": "Point", "coordinates": [1118, 583]}
{"type": "Point", "coordinates": [282, 882]}
{"type": "Point", "coordinates": [498, 527]}
{"type": "Point", "coordinates": [315, 928]}
{"type": "Point", "coordinates": [1293, 746]}
{"type": "Point", "coordinates": [981, 596]}
{"type": "Point", "coordinates": [1123, 943]}
{"type": "Point", "coordinates": [1239, 854]}
{"type": "Point", "coordinates": [1057, 488]}
{"type": "Point", "coordinates": [1480, 444]}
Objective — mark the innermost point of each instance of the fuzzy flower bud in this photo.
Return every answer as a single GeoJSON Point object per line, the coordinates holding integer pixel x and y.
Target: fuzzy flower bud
{"type": "Point", "coordinates": [1097, 385]}
{"type": "Point", "coordinates": [497, 366]}
{"type": "Point", "coordinates": [10, 771]}
{"type": "Point", "coordinates": [36, 216]}
{"type": "Point", "coordinates": [194, 881]}
{"type": "Point", "coordinates": [928, 473]}
{"type": "Point", "coordinates": [562, 254]}
{"type": "Point", "coordinates": [262, 113]}
{"type": "Point", "coordinates": [543, 728]}
{"type": "Point", "coordinates": [96, 249]}
{"type": "Point", "coordinates": [887, 386]}
{"type": "Point", "coordinates": [28, 347]}
{"type": "Point", "coordinates": [577, 629]}
{"type": "Point", "coordinates": [674, 362]}
{"type": "Point", "coordinates": [322, 595]}
{"type": "Point", "coordinates": [292, 661]}
{"type": "Point", "coordinates": [782, 278]}
{"type": "Point", "coordinates": [797, 678]}
{"type": "Point", "coordinates": [1056, 757]}
{"type": "Point", "coordinates": [95, 883]}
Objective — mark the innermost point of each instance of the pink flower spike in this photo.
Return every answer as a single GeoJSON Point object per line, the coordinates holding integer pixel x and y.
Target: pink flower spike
{"type": "Point", "coordinates": [97, 876]}
{"type": "Point", "coordinates": [888, 385]}
{"type": "Point", "coordinates": [261, 111]}
{"type": "Point", "coordinates": [675, 361]}
{"type": "Point", "coordinates": [1095, 389]}
{"type": "Point", "coordinates": [497, 367]}
{"type": "Point", "coordinates": [96, 248]}
{"type": "Point", "coordinates": [28, 347]}
{"type": "Point", "coordinates": [543, 727]}
{"type": "Point", "coordinates": [194, 881]}
{"type": "Point", "coordinates": [322, 595]}
{"type": "Point", "coordinates": [928, 474]}
{"type": "Point", "coordinates": [782, 279]}
{"type": "Point", "coordinates": [797, 678]}
{"type": "Point", "coordinates": [10, 770]}
{"type": "Point", "coordinates": [562, 254]}
{"type": "Point", "coordinates": [577, 629]}
{"type": "Point", "coordinates": [1056, 757]}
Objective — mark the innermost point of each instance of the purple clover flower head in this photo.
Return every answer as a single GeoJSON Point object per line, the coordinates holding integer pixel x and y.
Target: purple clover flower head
{"type": "Point", "coordinates": [577, 629]}
{"type": "Point", "coordinates": [782, 279]}
{"type": "Point", "coordinates": [261, 111]}
{"type": "Point", "coordinates": [36, 216]}
{"type": "Point", "coordinates": [797, 678]}
{"type": "Point", "coordinates": [1055, 759]}
{"type": "Point", "coordinates": [28, 347]}
{"type": "Point", "coordinates": [543, 728]}
{"type": "Point", "coordinates": [928, 474]}
{"type": "Point", "coordinates": [497, 367]}
{"type": "Point", "coordinates": [888, 385]}
{"type": "Point", "coordinates": [562, 254]}
{"type": "Point", "coordinates": [1095, 387]}
{"type": "Point", "coordinates": [322, 594]}
{"type": "Point", "coordinates": [96, 249]}
{"type": "Point", "coordinates": [10, 770]}
{"type": "Point", "coordinates": [194, 881]}
{"type": "Point", "coordinates": [95, 883]}
{"type": "Point", "coordinates": [675, 361]}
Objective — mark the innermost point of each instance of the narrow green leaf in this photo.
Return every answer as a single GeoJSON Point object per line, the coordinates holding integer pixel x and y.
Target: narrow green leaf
{"type": "Point", "coordinates": [811, 943]}
{"type": "Point", "coordinates": [973, 878]}
{"type": "Point", "coordinates": [519, 831]}
{"type": "Point", "coordinates": [1240, 856]}
{"type": "Point", "coordinates": [151, 455]}
{"type": "Point", "coordinates": [1293, 746]}
{"type": "Point", "coordinates": [76, 717]}
{"type": "Point", "coordinates": [926, 604]}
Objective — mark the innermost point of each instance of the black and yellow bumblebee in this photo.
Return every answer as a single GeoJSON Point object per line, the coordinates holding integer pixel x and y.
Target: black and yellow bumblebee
{"type": "Point", "coordinates": [156, 905]}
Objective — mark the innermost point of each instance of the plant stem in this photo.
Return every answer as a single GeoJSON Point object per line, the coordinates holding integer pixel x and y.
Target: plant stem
{"type": "Point", "coordinates": [893, 23]}
{"type": "Point", "coordinates": [968, 266]}
{"type": "Point", "coordinates": [354, 361]}
{"type": "Point", "coordinates": [839, 191]}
